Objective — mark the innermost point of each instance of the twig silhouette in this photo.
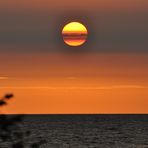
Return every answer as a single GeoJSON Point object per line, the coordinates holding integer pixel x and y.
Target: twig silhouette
{"type": "Point", "coordinates": [10, 131]}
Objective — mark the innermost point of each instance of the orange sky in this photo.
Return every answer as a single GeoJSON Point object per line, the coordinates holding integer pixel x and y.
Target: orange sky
{"type": "Point", "coordinates": [84, 83]}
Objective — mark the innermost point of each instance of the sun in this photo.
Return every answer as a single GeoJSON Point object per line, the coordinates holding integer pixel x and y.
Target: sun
{"type": "Point", "coordinates": [74, 34]}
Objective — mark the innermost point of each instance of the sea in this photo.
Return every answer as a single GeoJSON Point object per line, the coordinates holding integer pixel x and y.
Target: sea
{"type": "Point", "coordinates": [85, 131]}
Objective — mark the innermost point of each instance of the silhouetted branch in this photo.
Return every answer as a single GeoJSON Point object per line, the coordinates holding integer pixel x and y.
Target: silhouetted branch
{"type": "Point", "coordinates": [9, 123]}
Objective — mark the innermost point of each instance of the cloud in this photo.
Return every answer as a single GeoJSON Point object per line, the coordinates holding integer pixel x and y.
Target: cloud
{"type": "Point", "coordinates": [71, 78]}
{"type": "Point", "coordinates": [3, 78]}
{"type": "Point", "coordinates": [79, 88]}
{"type": "Point", "coordinates": [122, 31]}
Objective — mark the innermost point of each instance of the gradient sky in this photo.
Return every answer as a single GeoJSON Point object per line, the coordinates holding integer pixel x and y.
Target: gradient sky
{"type": "Point", "coordinates": [108, 74]}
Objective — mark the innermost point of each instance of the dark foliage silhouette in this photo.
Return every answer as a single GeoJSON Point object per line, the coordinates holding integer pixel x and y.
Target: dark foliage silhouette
{"type": "Point", "coordinates": [10, 131]}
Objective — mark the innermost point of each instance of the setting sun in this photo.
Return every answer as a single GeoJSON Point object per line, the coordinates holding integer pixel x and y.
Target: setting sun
{"type": "Point", "coordinates": [74, 34]}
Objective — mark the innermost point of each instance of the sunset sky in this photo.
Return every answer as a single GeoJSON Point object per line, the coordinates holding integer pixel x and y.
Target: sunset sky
{"type": "Point", "coordinates": [108, 74]}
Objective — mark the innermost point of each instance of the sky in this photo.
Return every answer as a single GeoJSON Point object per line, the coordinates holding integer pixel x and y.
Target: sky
{"type": "Point", "coordinates": [108, 74]}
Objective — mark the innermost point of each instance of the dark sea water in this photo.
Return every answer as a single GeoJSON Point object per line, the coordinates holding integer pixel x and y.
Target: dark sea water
{"type": "Point", "coordinates": [87, 131]}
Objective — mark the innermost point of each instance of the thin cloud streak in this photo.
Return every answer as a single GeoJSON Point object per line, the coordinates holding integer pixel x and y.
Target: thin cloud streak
{"type": "Point", "coordinates": [4, 78]}
{"type": "Point", "coordinates": [81, 88]}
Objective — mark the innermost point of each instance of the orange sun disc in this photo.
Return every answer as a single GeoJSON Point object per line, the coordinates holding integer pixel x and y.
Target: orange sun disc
{"type": "Point", "coordinates": [74, 34]}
